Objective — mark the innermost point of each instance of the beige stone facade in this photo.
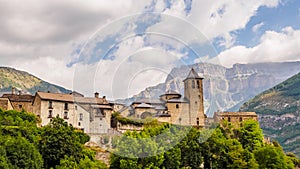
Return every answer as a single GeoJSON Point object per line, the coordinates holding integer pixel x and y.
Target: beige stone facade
{"type": "Point", "coordinates": [20, 101]}
{"type": "Point", "coordinates": [5, 104]}
{"type": "Point", "coordinates": [234, 117]}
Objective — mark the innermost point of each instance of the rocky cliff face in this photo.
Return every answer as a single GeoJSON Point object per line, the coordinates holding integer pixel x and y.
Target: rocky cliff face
{"type": "Point", "coordinates": [279, 113]}
{"type": "Point", "coordinates": [225, 88]}
{"type": "Point", "coordinates": [26, 82]}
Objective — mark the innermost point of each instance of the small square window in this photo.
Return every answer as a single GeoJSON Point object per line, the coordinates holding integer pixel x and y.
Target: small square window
{"type": "Point", "coordinates": [20, 106]}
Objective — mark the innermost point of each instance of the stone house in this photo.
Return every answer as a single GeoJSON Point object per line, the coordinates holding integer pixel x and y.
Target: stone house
{"type": "Point", "coordinates": [5, 104]}
{"type": "Point", "coordinates": [235, 118]}
{"type": "Point", "coordinates": [91, 114]}
{"type": "Point", "coordinates": [20, 101]}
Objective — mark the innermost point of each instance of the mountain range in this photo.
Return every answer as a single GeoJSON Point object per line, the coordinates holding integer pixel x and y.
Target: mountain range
{"type": "Point", "coordinates": [225, 89]}
{"type": "Point", "coordinates": [279, 113]}
{"type": "Point", "coordinates": [10, 77]}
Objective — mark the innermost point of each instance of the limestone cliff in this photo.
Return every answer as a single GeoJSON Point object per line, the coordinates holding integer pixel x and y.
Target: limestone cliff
{"type": "Point", "coordinates": [225, 88]}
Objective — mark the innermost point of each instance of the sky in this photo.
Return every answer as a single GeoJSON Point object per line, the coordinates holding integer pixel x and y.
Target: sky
{"type": "Point", "coordinates": [119, 48]}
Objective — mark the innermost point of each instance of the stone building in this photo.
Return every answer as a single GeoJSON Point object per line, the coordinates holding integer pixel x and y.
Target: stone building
{"type": "Point", "coordinates": [5, 104]}
{"type": "Point", "coordinates": [234, 117]}
{"type": "Point", "coordinates": [172, 107]}
{"type": "Point", "coordinates": [20, 101]}
{"type": "Point", "coordinates": [91, 114]}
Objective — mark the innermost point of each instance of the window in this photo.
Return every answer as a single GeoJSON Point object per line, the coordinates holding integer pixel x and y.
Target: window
{"type": "Point", "coordinates": [196, 102]}
{"type": "Point", "coordinates": [100, 113]}
{"type": "Point", "coordinates": [177, 106]}
{"type": "Point", "coordinates": [241, 119]}
{"type": "Point", "coordinates": [229, 119]}
{"type": "Point", "coordinates": [50, 114]}
{"type": "Point", "coordinates": [80, 116]}
{"type": "Point", "coordinates": [100, 118]}
{"type": "Point", "coordinates": [198, 84]}
{"type": "Point", "coordinates": [75, 107]}
{"type": "Point", "coordinates": [79, 123]}
{"type": "Point", "coordinates": [198, 121]}
{"type": "Point", "coordinates": [50, 104]}
{"type": "Point", "coordinates": [20, 106]}
{"type": "Point", "coordinates": [193, 84]}
{"type": "Point", "coordinates": [66, 106]}
{"type": "Point", "coordinates": [65, 115]}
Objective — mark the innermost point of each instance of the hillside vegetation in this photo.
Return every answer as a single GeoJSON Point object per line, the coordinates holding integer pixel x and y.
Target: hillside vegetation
{"type": "Point", "coordinates": [279, 111]}
{"type": "Point", "coordinates": [57, 145]}
{"type": "Point", "coordinates": [28, 83]}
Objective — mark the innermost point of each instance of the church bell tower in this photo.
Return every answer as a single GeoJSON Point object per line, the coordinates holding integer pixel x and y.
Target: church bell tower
{"type": "Point", "coordinates": [193, 92]}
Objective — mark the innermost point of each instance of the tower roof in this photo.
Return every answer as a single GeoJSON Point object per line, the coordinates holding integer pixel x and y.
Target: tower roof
{"type": "Point", "coordinates": [193, 75]}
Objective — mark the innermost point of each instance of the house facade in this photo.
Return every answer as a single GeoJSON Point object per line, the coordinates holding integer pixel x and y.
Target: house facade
{"type": "Point", "coordinates": [90, 114]}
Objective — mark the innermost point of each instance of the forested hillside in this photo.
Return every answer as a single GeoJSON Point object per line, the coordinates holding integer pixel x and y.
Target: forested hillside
{"type": "Point", "coordinates": [279, 111]}
{"type": "Point", "coordinates": [26, 82]}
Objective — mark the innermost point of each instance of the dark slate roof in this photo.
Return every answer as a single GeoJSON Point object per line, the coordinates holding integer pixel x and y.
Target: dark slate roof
{"type": "Point", "coordinates": [144, 105]}
{"type": "Point", "coordinates": [162, 115]}
{"type": "Point", "coordinates": [19, 98]}
{"type": "Point", "coordinates": [179, 100]}
{"type": "Point", "coordinates": [193, 75]}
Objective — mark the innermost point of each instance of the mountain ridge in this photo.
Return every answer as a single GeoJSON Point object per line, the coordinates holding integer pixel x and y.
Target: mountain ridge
{"type": "Point", "coordinates": [225, 89]}
{"type": "Point", "coordinates": [28, 83]}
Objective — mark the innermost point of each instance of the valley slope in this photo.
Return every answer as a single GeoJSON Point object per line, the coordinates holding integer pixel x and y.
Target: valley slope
{"type": "Point", "coordinates": [279, 113]}
{"type": "Point", "coordinates": [26, 82]}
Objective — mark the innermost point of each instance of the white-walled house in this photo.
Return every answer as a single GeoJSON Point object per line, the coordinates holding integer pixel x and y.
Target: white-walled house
{"type": "Point", "coordinates": [91, 114]}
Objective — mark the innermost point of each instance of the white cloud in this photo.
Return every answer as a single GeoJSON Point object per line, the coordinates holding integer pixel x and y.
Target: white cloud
{"type": "Point", "coordinates": [219, 18]}
{"type": "Point", "coordinates": [273, 47]}
{"type": "Point", "coordinates": [256, 27]}
{"type": "Point", "coordinates": [39, 36]}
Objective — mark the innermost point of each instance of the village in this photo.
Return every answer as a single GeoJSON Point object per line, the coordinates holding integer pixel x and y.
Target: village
{"type": "Point", "coordinates": [93, 115]}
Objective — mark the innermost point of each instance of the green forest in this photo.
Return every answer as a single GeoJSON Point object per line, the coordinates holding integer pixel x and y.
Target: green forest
{"type": "Point", "coordinates": [59, 146]}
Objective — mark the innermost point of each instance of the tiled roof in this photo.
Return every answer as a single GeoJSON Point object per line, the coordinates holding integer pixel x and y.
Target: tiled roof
{"type": "Point", "coordinates": [90, 100]}
{"type": "Point", "coordinates": [71, 98]}
{"type": "Point", "coordinates": [56, 96]}
{"type": "Point", "coordinates": [19, 98]}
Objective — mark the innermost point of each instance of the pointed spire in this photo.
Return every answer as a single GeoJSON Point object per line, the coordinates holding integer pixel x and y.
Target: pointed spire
{"type": "Point", "coordinates": [193, 75]}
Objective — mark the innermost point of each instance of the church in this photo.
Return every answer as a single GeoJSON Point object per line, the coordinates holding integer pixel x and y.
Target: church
{"type": "Point", "coordinates": [172, 107]}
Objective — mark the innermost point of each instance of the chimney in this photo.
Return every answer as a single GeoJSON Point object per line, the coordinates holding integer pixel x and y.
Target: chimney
{"type": "Point", "coordinates": [13, 90]}
{"type": "Point", "coordinates": [96, 95]}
